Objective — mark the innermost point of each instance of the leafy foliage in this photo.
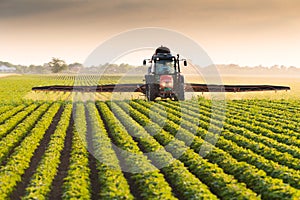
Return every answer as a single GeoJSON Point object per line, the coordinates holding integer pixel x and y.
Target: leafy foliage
{"type": "Point", "coordinates": [256, 156]}
{"type": "Point", "coordinates": [57, 65]}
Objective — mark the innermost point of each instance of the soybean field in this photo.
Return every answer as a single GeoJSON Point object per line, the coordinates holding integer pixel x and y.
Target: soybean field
{"type": "Point", "coordinates": [56, 146]}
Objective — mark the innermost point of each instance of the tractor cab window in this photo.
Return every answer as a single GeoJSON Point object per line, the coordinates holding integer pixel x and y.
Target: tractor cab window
{"type": "Point", "coordinates": [164, 67]}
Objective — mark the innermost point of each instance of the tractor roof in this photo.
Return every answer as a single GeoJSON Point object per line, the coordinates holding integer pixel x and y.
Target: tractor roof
{"type": "Point", "coordinates": [162, 49]}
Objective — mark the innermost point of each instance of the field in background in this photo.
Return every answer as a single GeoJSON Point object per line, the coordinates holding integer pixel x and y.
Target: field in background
{"type": "Point", "coordinates": [18, 88]}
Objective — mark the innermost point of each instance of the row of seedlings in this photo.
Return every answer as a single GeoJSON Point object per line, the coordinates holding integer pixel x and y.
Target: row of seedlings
{"type": "Point", "coordinates": [272, 168]}
{"type": "Point", "coordinates": [77, 182]}
{"type": "Point", "coordinates": [147, 180]}
{"type": "Point", "coordinates": [112, 181]}
{"type": "Point", "coordinates": [236, 134]}
{"type": "Point", "coordinates": [224, 185]}
{"type": "Point", "coordinates": [19, 161]}
{"type": "Point", "coordinates": [40, 183]}
{"type": "Point", "coordinates": [255, 179]}
{"type": "Point", "coordinates": [13, 121]}
{"type": "Point", "coordinates": [15, 136]}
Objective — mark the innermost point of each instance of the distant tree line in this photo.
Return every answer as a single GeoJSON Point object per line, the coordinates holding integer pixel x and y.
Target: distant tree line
{"type": "Point", "coordinates": [56, 65]}
{"type": "Point", "coordinates": [278, 70]}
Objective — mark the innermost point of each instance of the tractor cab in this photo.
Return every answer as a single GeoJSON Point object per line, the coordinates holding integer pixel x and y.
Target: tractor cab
{"type": "Point", "coordinates": [164, 67]}
{"type": "Point", "coordinates": [163, 64]}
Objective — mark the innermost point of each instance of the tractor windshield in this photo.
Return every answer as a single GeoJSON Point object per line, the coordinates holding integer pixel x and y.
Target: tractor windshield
{"type": "Point", "coordinates": [164, 67]}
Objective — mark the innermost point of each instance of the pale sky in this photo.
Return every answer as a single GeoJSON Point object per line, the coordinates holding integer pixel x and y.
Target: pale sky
{"type": "Point", "coordinates": [244, 32]}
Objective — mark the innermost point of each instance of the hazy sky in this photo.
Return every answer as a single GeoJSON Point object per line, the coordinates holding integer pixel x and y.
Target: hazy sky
{"type": "Point", "coordinates": [245, 32]}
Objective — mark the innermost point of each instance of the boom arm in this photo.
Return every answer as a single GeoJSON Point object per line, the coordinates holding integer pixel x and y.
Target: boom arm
{"type": "Point", "coordinates": [96, 88]}
{"type": "Point", "coordinates": [189, 87]}
{"type": "Point", "coordinates": [194, 87]}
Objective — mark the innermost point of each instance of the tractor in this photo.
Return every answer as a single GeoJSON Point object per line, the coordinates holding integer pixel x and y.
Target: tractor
{"type": "Point", "coordinates": [164, 79]}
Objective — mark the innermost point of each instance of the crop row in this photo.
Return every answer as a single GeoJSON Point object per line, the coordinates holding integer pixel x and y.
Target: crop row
{"type": "Point", "coordinates": [13, 121]}
{"type": "Point", "coordinates": [275, 118]}
{"type": "Point", "coordinates": [238, 127]}
{"type": "Point", "coordinates": [5, 108]}
{"type": "Point", "coordinates": [224, 185]}
{"type": "Point", "coordinates": [111, 178]}
{"type": "Point", "coordinates": [283, 131]}
{"type": "Point", "coordinates": [40, 183]}
{"type": "Point", "coordinates": [179, 177]}
{"type": "Point", "coordinates": [11, 173]}
{"type": "Point", "coordinates": [237, 123]}
{"type": "Point", "coordinates": [255, 179]}
{"type": "Point", "coordinates": [77, 182]}
{"type": "Point", "coordinates": [283, 108]}
{"type": "Point", "coordinates": [149, 183]}
{"type": "Point", "coordinates": [19, 132]}
{"type": "Point", "coordinates": [293, 150]}
{"type": "Point", "coordinates": [229, 143]}
{"type": "Point", "coordinates": [10, 113]}
{"type": "Point", "coordinates": [272, 116]}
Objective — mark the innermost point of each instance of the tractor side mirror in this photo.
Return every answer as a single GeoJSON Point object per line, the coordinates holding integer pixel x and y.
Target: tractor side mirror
{"type": "Point", "coordinates": [144, 62]}
{"type": "Point", "coordinates": [185, 63]}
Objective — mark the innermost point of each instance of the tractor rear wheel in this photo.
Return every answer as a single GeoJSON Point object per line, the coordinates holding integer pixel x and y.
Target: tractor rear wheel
{"type": "Point", "coordinates": [151, 92]}
{"type": "Point", "coordinates": [180, 95]}
{"type": "Point", "coordinates": [180, 90]}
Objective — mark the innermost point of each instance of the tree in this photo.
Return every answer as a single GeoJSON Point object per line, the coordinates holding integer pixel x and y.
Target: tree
{"type": "Point", "coordinates": [75, 67]}
{"type": "Point", "coordinates": [57, 65]}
